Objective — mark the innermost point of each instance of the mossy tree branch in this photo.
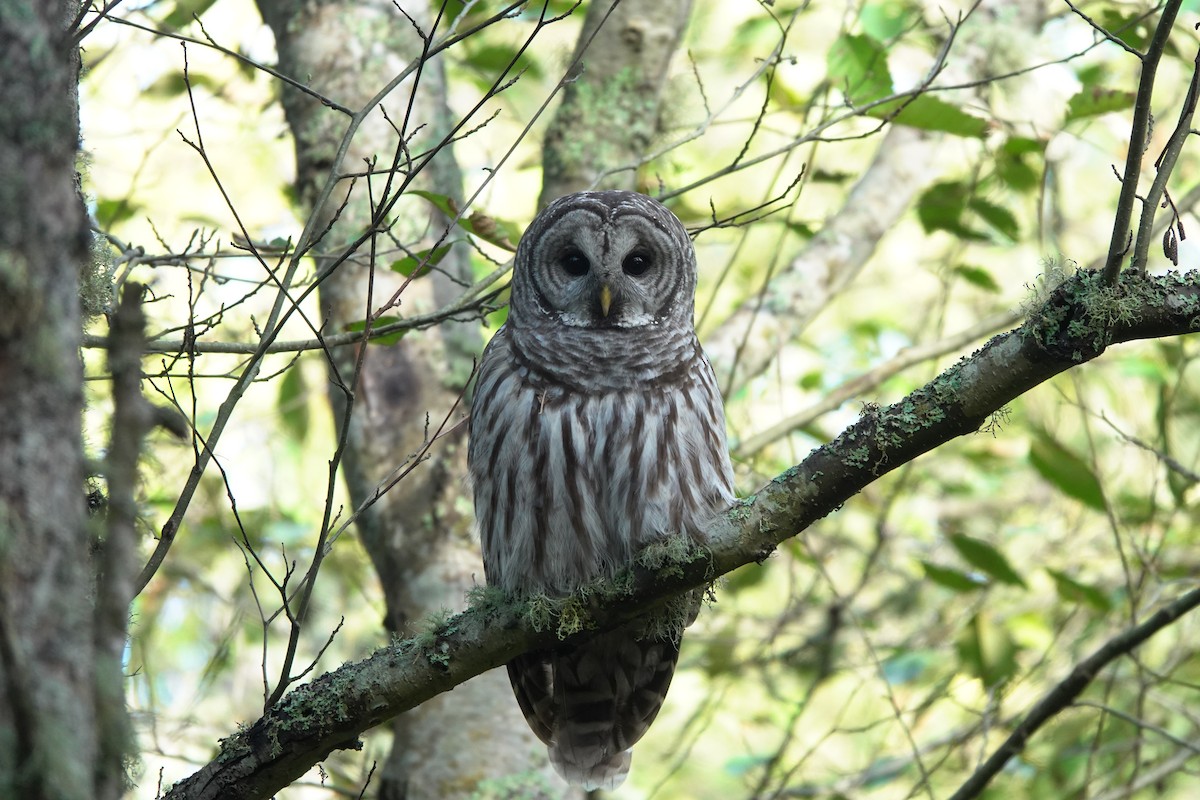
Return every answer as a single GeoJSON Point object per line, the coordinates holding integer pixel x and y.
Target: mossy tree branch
{"type": "Point", "coordinates": [1075, 324]}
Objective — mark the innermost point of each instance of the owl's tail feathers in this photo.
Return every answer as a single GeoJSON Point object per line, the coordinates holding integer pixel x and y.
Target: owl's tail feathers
{"type": "Point", "coordinates": [607, 692]}
{"type": "Point", "coordinates": [608, 773]}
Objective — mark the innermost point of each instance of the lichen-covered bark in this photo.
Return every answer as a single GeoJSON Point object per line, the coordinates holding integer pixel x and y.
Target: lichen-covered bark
{"type": "Point", "coordinates": [610, 111]}
{"type": "Point", "coordinates": [49, 743]}
{"type": "Point", "coordinates": [419, 535]}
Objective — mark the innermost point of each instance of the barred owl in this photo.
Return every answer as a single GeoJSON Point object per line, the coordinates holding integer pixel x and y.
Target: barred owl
{"type": "Point", "coordinates": [596, 428]}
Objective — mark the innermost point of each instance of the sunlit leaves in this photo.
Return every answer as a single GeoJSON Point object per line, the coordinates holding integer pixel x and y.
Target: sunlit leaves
{"type": "Point", "coordinates": [978, 277]}
{"type": "Point", "coordinates": [493, 231]}
{"type": "Point", "coordinates": [999, 218]}
{"type": "Point", "coordinates": [931, 114]}
{"type": "Point", "coordinates": [952, 579]}
{"type": "Point", "coordinates": [183, 12]}
{"type": "Point", "coordinates": [885, 19]}
{"type": "Point", "coordinates": [174, 83]}
{"type": "Point", "coordinates": [908, 666]}
{"type": "Point", "coordinates": [379, 322]}
{"type": "Point", "coordinates": [1133, 28]}
{"type": "Point", "coordinates": [954, 207]}
{"type": "Point", "coordinates": [858, 66]}
{"type": "Point", "coordinates": [1013, 167]}
{"type": "Point", "coordinates": [293, 403]}
{"type": "Point", "coordinates": [111, 212]}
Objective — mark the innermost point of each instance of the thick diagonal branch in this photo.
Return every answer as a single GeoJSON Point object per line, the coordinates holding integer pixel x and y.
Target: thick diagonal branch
{"type": "Point", "coordinates": [1078, 321]}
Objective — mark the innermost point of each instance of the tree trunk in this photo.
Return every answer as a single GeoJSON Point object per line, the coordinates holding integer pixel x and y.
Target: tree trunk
{"type": "Point", "coordinates": [50, 742]}
{"type": "Point", "coordinates": [609, 113]}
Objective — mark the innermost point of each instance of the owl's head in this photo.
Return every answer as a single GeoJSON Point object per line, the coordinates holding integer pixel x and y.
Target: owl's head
{"type": "Point", "coordinates": [604, 260]}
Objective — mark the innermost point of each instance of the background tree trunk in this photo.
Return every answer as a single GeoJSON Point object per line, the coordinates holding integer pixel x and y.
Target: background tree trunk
{"type": "Point", "coordinates": [51, 741]}
{"type": "Point", "coordinates": [610, 112]}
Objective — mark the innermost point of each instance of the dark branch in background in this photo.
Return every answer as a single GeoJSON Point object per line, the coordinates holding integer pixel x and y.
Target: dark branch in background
{"type": "Point", "coordinates": [1139, 137]}
{"type": "Point", "coordinates": [117, 564]}
{"type": "Point", "coordinates": [1076, 323]}
{"type": "Point", "coordinates": [1065, 692]}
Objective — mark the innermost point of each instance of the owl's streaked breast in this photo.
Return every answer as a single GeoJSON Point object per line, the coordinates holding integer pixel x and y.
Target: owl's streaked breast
{"type": "Point", "coordinates": [570, 483]}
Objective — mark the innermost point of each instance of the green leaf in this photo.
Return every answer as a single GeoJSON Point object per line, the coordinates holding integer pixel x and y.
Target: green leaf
{"type": "Point", "coordinates": [389, 338]}
{"type": "Point", "coordinates": [1012, 163]}
{"type": "Point", "coordinates": [1132, 29]}
{"type": "Point", "coordinates": [977, 276]}
{"type": "Point", "coordinates": [293, 403]}
{"type": "Point", "coordinates": [987, 559]}
{"type": "Point", "coordinates": [173, 84]}
{"type": "Point", "coordinates": [1094, 101]}
{"type": "Point", "coordinates": [1023, 145]}
{"type": "Point", "coordinates": [1066, 471]}
{"type": "Point", "coordinates": [884, 19]}
{"type": "Point", "coordinates": [443, 203]}
{"type": "Point", "coordinates": [746, 577]}
{"type": "Point", "coordinates": [999, 218]}
{"type": "Point", "coordinates": [112, 212]}
{"type": "Point", "coordinates": [1073, 591]}
{"type": "Point", "coordinates": [182, 13]}
{"type": "Point", "coordinates": [858, 65]}
{"type": "Point", "coordinates": [952, 579]}
{"type": "Point", "coordinates": [931, 114]}
{"type": "Point", "coordinates": [494, 231]}
{"type": "Point", "coordinates": [987, 650]}
{"type": "Point", "coordinates": [422, 259]}
{"type": "Point", "coordinates": [941, 207]}
{"type": "Point", "coordinates": [499, 232]}
{"type": "Point", "coordinates": [489, 60]}
{"type": "Point", "coordinates": [907, 666]}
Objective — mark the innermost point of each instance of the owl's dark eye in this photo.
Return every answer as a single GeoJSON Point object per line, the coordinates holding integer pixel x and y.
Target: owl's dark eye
{"type": "Point", "coordinates": [573, 262]}
{"type": "Point", "coordinates": [637, 263]}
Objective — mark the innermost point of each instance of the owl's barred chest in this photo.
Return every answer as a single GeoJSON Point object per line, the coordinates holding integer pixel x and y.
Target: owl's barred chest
{"type": "Point", "coordinates": [570, 482]}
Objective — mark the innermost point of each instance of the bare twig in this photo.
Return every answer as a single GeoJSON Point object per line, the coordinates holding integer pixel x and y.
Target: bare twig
{"type": "Point", "coordinates": [1138, 139]}
{"type": "Point", "coordinates": [1165, 165]}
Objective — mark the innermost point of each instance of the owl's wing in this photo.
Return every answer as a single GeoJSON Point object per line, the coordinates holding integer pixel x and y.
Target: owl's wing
{"type": "Point", "coordinates": [531, 676]}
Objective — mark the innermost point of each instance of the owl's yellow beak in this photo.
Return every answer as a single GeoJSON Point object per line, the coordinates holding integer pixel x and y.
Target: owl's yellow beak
{"type": "Point", "coordinates": [605, 299]}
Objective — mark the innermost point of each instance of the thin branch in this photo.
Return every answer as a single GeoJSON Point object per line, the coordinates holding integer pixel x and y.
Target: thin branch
{"type": "Point", "coordinates": [1100, 29]}
{"type": "Point", "coordinates": [1165, 166]}
{"type": "Point", "coordinates": [239, 57]}
{"type": "Point", "coordinates": [1138, 139]}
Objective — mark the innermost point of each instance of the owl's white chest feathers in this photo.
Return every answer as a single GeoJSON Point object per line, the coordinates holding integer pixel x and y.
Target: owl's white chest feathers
{"type": "Point", "coordinates": [572, 477]}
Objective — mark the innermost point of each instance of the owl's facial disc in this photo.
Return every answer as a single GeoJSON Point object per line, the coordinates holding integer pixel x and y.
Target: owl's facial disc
{"type": "Point", "coordinates": [606, 273]}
